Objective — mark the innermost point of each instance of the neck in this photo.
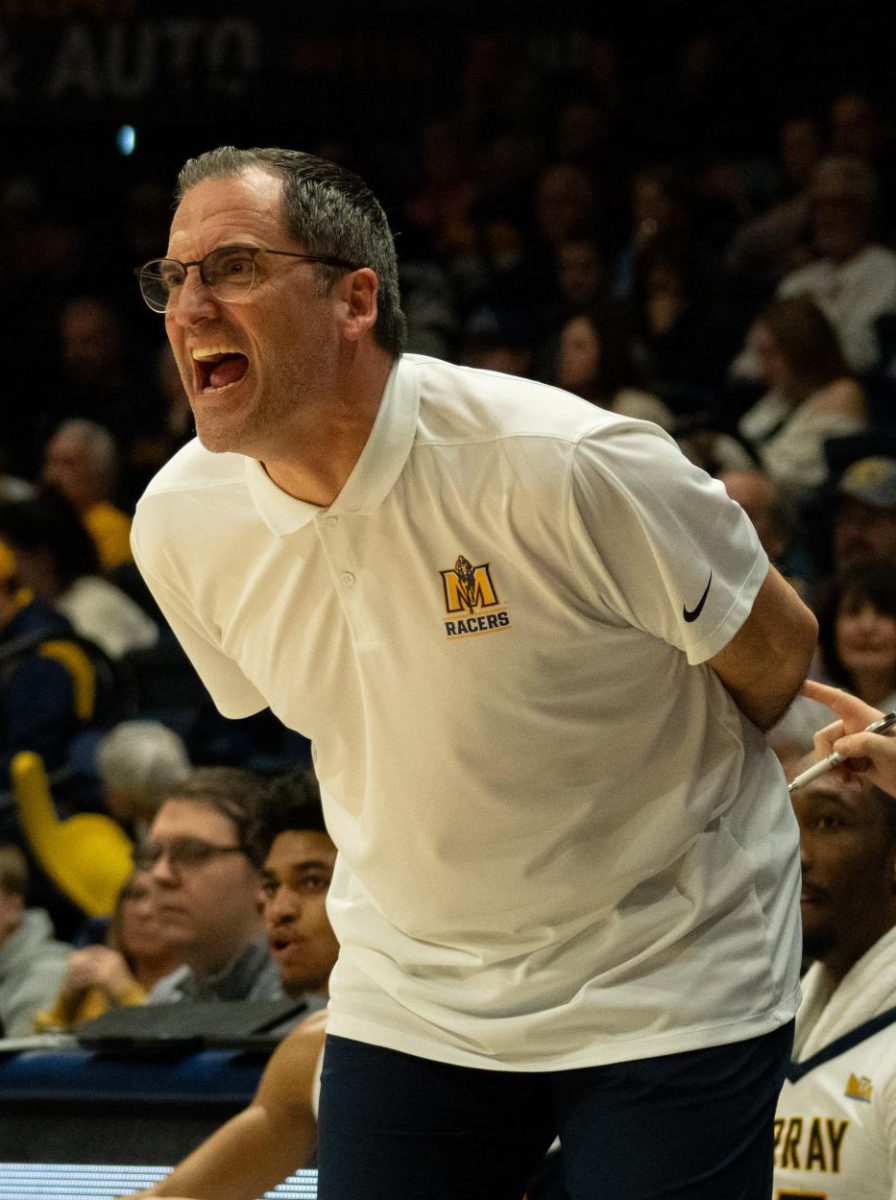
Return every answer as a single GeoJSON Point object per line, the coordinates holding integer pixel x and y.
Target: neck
{"type": "Point", "coordinates": [319, 460]}
{"type": "Point", "coordinates": [148, 971]}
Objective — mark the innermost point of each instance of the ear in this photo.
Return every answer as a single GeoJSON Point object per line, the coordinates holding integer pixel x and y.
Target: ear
{"type": "Point", "coordinates": [359, 295]}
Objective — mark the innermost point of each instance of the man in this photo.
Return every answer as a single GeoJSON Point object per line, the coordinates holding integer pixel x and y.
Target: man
{"type": "Point", "coordinates": [837, 1110]}
{"type": "Point", "coordinates": [472, 592]}
{"type": "Point", "coordinates": [48, 684]}
{"type": "Point", "coordinates": [205, 878]}
{"type": "Point", "coordinates": [275, 1135]}
{"type": "Point", "coordinates": [81, 461]}
{"type": "Point", "coordinates": [864, 532]}
{"type": "Point", "coordinates": [32, 962]}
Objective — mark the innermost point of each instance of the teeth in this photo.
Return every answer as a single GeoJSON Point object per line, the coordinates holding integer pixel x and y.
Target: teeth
{"type": "Point", "coordinates": [203, 352]}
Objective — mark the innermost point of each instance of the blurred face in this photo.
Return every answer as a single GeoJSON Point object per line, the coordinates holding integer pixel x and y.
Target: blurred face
{"type": "Point", "coordinates": [139, 927]}
{"type": "Point", "coordinates": [774, 369]}
{"type": "Point", "coordinates": [256, 369]}
{"type": "Point", "coordinates": [67, 467]}
{"type": "Point", "coordinates": [849, 869]}
{"type": "Point", "coordinates": [580, 272]}
{"type": "Point", "coordinates": [90, 340]}
{"type": "Point", "coordinates": [579, 354]}
{"type": "Point", "coordinates": [841, 220]}
{"type": "Point", "coordinates": [205, 889]}
{"type": "Point", "coordinates": [295, 879]}
{"type": "Point", "coordinates": [865, 637]}
{"type": "Point", "coordinates": [863, 534]}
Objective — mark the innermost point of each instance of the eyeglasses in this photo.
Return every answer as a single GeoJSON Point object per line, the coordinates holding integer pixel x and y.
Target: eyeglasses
{"type": "Point", "coordinates": [187, 853]}
{"type": "Point", "coordinates": [228, 272]}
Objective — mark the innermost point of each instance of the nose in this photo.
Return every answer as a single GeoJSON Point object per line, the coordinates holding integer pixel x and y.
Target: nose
{"type": "Point", "coordinates": [193, 303]}
{"type": "Point", "coordinates": [280, 908]}
{"type": "Point", "coordinates": [160, 872]}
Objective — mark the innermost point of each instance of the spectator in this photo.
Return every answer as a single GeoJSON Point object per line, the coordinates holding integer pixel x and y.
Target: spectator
{"type": "Point", "coordinates": [857, 634]}
{"type": "Point", "coordinates": [853, 279]}
{"type": "Point", "coordinates": [139, 763]}
{"type": "Point", "coordinates": [121, 971]}
{"type": "Point", "coordinates": [81, 461]}
{"type": "Point", "coordinates": [596, 361]}
{"type": "Point", "coordinates": [864, 530]}
{"type": "Point", "coordinates": [756, 491]}
{"type": "Point", "coordinates": [837, 1108]}
{"type": "Point", "coordinates": [205, 877]}
{"type": "Point", "coordinates": [275, 1135]}
{"type": "Point", "coordinates": [58, 562]}
{"type": "Point", "coordinates": [47, 683]}
{"type": "Point", "coordinates": [773, 243]}
{"type": "Point", "coordinates": [811, 395]}
{"type": "Point", "coordinates": [31, 960]}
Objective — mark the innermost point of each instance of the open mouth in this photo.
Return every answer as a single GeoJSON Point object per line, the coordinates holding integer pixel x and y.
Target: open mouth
{"type": "Point", "coordinates": [218, 367]}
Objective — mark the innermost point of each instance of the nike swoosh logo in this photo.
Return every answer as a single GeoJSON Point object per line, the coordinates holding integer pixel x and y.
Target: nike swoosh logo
{"type": "Point", "coordinates": [691, 614]}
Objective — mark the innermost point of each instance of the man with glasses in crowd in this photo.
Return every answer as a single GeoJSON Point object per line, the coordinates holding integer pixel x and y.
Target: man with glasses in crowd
{"type": "Point", "coordinates": [534, 648]}
{"type": "Point", "coordinates": [205, 871]}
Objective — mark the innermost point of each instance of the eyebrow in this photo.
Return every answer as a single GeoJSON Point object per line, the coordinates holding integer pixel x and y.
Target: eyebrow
{"type": "Point", "coordinates": [298, 868]}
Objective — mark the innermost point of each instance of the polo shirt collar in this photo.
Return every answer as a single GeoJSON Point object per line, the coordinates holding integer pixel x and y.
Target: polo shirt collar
{"type": "Point", "coordinates": [373, 475]}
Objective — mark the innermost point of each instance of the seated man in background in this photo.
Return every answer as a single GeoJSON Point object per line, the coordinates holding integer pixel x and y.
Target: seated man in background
{"type": "Point", "coordinates": [275, 1135]}
{"type": "Point", "coordinates": [81, 461]}
{"type": "Point", "coordinates": [204, 868]}
{"type": "Point", "coordinates": [48, 690]}
{"type": "Point", "coordinates": [836, 1116]}
{"type": "Point", "coordinates": [32, 962]}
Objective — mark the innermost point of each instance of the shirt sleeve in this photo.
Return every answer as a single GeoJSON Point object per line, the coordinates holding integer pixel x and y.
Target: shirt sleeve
{"type": "Point", "coordinates": [659, 543]}
{"type": "Point", "coordinates": [233, 694]}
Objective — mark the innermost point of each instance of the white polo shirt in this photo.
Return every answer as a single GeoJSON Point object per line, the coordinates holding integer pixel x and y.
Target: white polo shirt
{"type": "Point", "coordinates": [560, 842]}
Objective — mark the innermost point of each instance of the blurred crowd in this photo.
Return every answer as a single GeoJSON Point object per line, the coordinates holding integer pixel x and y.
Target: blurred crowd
{"type": "Point", "coordinates": [741, 297]}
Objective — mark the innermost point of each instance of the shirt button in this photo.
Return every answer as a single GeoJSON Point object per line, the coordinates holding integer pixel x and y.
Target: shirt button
{"type": "Point", "coordinates": [331, 521]}
{"type": "Point", "coordinates": [347, 578]}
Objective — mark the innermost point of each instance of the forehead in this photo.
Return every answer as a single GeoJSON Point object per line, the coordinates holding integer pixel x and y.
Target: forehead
{"type": "Point", "coordinates": [850, 795]}
{"type": "Point", "coordinates": [241, 207]}
{"type": "Point", "coordinates": [190, 818]}
{"type": "Point", "coordinates": [295, 848]}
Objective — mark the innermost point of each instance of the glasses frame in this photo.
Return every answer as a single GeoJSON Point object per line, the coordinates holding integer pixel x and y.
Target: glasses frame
{"type": "Point", "coordinates": [328, 260]}
{"type": "Point", "coordinates": [144, 861]}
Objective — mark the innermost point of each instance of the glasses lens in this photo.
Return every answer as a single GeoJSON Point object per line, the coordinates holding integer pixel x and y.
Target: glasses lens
{"type": "Point", "coordinates": [158, 280]}
{"type": "Point", "coordinates": [229, 271]}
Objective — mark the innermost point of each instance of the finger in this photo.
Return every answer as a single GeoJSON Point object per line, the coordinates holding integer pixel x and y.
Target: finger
{"type": "Point", "coordinates": [849, 708]}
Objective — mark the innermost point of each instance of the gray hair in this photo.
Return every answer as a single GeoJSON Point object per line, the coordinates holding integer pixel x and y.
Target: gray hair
{"type": "Point", "coordinates": [327, 210]}
{"type": "Point", "coordinates": [144, 758]}
{"type": "Point", "coordinates": [99, 442]}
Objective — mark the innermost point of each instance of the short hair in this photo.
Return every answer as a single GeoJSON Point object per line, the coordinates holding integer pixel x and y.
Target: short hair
{"type": "Point", "coordinates": [145, 758]}
{"type": "Point", "coordinates": [232, 791]}
{"type": "Point", "coordinates": [99, 441]}
{"type": "Point", "coordinates": [13, 871]}
{"type": "Point", "coordinates": [290, 802]}
{"type": "Point", "coordinates": [50, 521]}
{"type": "Point", "coordinates": [327, 210]}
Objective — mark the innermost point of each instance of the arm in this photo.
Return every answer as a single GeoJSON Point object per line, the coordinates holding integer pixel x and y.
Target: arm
{"type": "Point", "coordinates": [870, 754]}
{"type": "Point", "coordinates": [766, 661]}
{"type": "Point", "coordinates": [266, 1142]}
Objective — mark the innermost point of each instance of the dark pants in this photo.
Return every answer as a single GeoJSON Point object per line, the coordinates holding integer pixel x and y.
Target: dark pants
{"type": "Point", "coordinates": [693, 1126]}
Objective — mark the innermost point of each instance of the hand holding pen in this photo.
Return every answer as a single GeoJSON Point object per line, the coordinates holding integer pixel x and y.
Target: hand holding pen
{"type": "Point", "coordinates": [857, 741]}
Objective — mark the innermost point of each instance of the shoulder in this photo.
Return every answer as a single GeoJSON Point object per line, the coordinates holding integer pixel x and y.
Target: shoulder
{"type": "Point", "coordinates": [840, 396]}
{"type": "Point", "coordinates": [466, 404]}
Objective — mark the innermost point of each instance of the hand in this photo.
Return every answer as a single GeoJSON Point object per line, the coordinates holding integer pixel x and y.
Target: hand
{"type": "Point", "coordinates": [869, 754]}
{"type": "Point", "coordinates": [98, 966]}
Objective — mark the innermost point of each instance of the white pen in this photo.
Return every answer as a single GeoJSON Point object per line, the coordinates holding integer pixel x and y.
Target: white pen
{"type": "Point", "coordinates": [881, 725]}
